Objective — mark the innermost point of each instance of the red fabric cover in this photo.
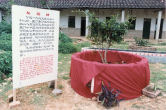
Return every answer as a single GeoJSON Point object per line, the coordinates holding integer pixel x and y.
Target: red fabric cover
{"type": "Point", "coordinates": [129, 78]}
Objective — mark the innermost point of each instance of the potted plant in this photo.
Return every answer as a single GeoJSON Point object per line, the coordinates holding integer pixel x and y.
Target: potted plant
{"type": "Point", "coordinates": [90, 68]}
{"type": "Point", "coordinates": [103, 35]}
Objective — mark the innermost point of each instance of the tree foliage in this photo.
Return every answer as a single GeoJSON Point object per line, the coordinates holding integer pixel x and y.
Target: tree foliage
{"type": "Point", "coordinates": [106, 32]}
{"type": "Point", "coordinates": [5, 27]}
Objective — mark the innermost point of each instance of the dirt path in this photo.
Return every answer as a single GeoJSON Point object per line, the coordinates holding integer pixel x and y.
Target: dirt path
{"type": "Point", "coordinates": [69, 100]}
{"type": "Point", "coordinates": [40, 97]}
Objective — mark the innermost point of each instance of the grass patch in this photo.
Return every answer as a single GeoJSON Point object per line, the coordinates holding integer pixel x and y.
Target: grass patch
{"type": "Point", "coordinates": [65, 77]}
{"type": "Point", "coordinates": [31, 90]}
{"type": "Point", "coordinates": [137, 106]}
{"type": "Point", "coordinates": [122, 45]}
{"type": "Point", "coordinates": [83, 44]}
{"type": "Point", "coordinates": [158, 44]}
{"type": "Point", "coordinates": [4, 89]}
{"type": "Point", "coordinates": [158, 75]}
{"type": "Point", "coordinates": [161, 49]}
{"type": "Point", "coordinates": [64, 63]}
{"type": "Point", "coordinates": [60, 86]}
{"type": "Point", "coordinates": [39, 100]}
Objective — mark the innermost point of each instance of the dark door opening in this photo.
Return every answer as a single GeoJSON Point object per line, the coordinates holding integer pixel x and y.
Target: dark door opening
{"type": "Point", "coordinates": [83, 26]}
{"type": "Point", "coordinates": [146, 28]}
{"type": "Point", "coordinates": [161, 29]}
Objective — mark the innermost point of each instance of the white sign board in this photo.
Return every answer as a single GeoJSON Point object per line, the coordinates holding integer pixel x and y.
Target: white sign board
{"type": "Point", "coordinates": [35, 34]}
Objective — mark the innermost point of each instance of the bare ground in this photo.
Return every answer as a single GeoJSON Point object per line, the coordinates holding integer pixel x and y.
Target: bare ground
{"type": "Point", "coordinates": [40, 97]}
{"type": "Point", "coordinates": [37, 98]}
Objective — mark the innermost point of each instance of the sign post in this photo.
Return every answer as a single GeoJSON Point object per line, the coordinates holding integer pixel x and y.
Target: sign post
{"type": "Point", "coordinates": [35, 35]}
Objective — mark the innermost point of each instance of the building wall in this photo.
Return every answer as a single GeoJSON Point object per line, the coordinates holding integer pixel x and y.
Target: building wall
{"type": "Point", "coordinates": [71, 31]}
{"type": "Point", "coordinates": [164, 35]}
{"type": "Point", "coordinates": [164, 26]}
{"type": "Point", "coordinates": [134, 33]}
{"type": "Point", "coordinates": [140, 14]}
{"type": "Point", "coordinates": [64, 22]}
{"type": "Point", "coordinates": [5, 16]}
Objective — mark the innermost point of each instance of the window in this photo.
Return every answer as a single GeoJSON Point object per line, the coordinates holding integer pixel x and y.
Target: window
{"type": "Point", "coordinates": [133, 22]}
{"type": "Point", "coordinates": [71, 22]}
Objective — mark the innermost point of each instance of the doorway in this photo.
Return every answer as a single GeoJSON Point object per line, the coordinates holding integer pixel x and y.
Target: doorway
{"type": "Point", "coordinates": [161, 29]}
{"type": "Point", "coordinates": [83, 26]}
{"type": "Point", "coordinates": [146, 28]}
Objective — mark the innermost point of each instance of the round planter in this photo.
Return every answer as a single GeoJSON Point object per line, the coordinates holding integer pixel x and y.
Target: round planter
{"type": "Point", "coordinates": [126, 72]}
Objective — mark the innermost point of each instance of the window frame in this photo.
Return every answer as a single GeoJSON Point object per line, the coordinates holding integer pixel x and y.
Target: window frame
{"type": "Point", "coordinates": [133, 22]}
{"type": "Point", "coordinates": [71, 21]}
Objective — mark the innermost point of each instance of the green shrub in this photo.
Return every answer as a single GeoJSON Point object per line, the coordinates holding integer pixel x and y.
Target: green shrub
{"type": "Point", "coordinates": [5, 27]}
{"type": "Point", "coordinates": [67, 48]}
{"type": "Point", "coordinates": [6, 63]}
{"type": "Point", "coordinates": [64, 38]}
{"type": "Point", "coordinates": [6, 45]}
{"type": "Point", "coordinates": [5, 42]}
{"type": "Point", "coordinates": [5, 36]}
{"type": "Point", "coordinates": [141, 42]}
{"type": "Point", "coordinates": [83, 44]}
{"type": "Point", "coordinates": [65, 44]}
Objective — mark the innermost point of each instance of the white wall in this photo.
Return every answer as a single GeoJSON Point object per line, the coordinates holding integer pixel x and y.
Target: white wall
{"type": "Point", "coordinates": [153, 24]}
{"type": "Point", "coordinates": [164, 25]}
{"type": "Point", "coordinates": [139, 23]}
{"type": "Point", "coordinates": [140, 14]}
{"type": "Point", "coordinates": [77, 22]}
{"type": "Point", "coordinates": [64, 18]}
{"type": "Point", "coordinates": [64, 21]}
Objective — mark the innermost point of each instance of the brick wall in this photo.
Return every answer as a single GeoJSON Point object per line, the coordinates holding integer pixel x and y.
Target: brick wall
{"type": "Point", "coordinates": [151, 35]}
{"type": "Point", "coordinates": [164, 35]}
{"type": "Point", "coordinates": [130, 34]}
{"type": "Point", "coordinates": [134, 33]}
{"type": "Point", "coordinates": [71, 31]}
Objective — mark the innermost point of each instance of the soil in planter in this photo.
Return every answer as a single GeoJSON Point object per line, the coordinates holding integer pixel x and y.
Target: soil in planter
{"type": "Point", "coordinates": [122, 62]}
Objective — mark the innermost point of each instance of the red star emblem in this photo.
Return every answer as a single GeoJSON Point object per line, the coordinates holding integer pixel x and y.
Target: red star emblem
{"type": "Point", "coordinates": [28, 13]}
{"type": "Point", "coordinates": [38, 13]}
{"type": "Point", "coordinates": [47, 14]}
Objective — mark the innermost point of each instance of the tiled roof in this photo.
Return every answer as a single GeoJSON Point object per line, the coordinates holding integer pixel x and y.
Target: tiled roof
{"type": "Point", "coordinates": [108, 4]}
{"type": "Point", "coordinates": [3, 3]}
{"type": "Point", "coordinates": [62, 4]}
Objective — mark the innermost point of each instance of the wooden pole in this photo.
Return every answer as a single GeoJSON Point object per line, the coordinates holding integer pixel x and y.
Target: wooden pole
{"type": "Point", "coordinates": [87, 24]}
{"type": "Point", "coordinates": [14, 95]}
{"type": "Point", "coordinates": [15, 102]}
{"type": "Point", "coordinates": [92, 85]}
{"type": "Point", "coordinates": [158, 24]}
{"type": "Point", "coordinates": [55, 85]}
{"type": "Point", "coordinates": [123, 16]}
